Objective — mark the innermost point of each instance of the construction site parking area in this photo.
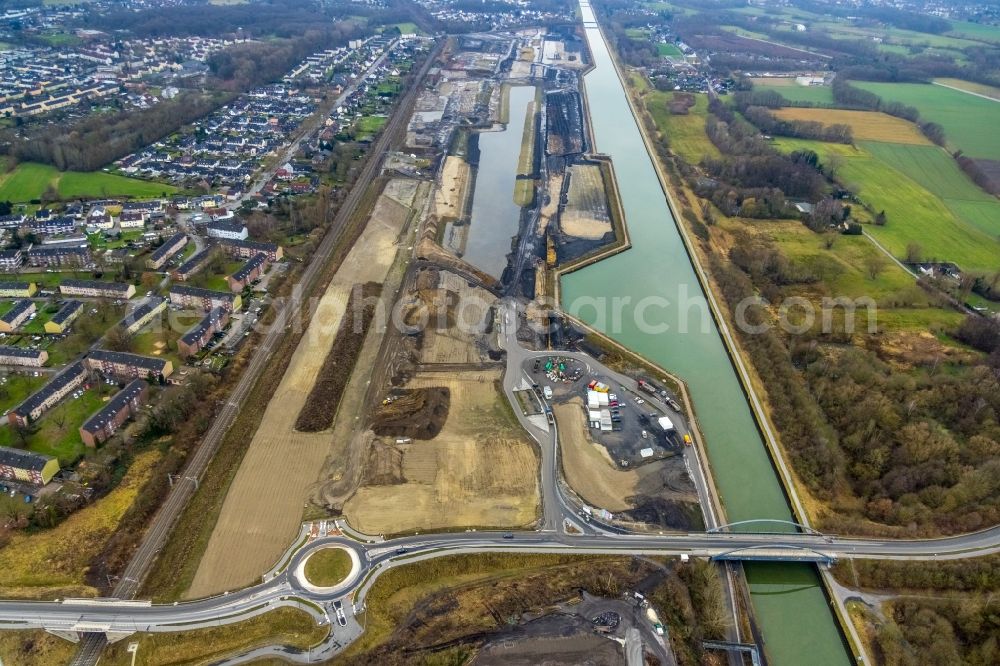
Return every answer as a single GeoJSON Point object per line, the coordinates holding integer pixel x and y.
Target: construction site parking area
{"type": "Point", "coordinates": [633, 427]}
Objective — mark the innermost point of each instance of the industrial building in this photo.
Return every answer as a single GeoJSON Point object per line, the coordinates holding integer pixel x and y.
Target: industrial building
{"type": "Point", "coordinates": [34, 468]}
{"type": "Point", "coordinates": [195, 339]}
{"type": "Point", "coordinates": [97, 289]}
{"type": "Point", "coordinates": [32, 358]}
{"type": "Point", "coordinates": [128, 366]}
{"type": "Point", "coordinates": [64, 317]}
{"type": "Point", "coordinates": [17, 315]}
{"type": "Point", "coordinates": [49, 395]}
{"type": "Point", "coordinates": [206, 299]}
{"type": "Point", "coordinates": [122, 406]}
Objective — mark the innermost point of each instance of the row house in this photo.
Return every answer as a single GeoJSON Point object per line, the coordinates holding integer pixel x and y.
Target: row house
{"type": "Point", "coordinates": [120, 408]}
{"type": "Point", "coordinates": [128, 366]}
{"type": "Point", "coordinates": [97, 289]}
{"type": "Point", "coordinates": [205, 299]}
{"type": "Point", "coordinates": [198, 336]}
{"type": "Point", "coordinates": [60, 321]}
{"type": "Point", "coordinates": [57, 388]}
{"type": "Point", "coordinates": [170, 247]}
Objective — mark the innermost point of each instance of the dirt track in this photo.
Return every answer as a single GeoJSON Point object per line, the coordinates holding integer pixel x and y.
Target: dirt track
{"type": "Point", "coordinates": [263, 508]}
{"type": "Point", "coordinates": [479, 471]}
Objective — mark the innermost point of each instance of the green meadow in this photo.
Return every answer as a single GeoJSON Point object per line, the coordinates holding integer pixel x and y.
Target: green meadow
{"type": "Point", "coordinates": [970, 123]}
{"type": "Point", "coordinates": [30, 181]}
{"type": "Point", "coordinates": [914, 213]}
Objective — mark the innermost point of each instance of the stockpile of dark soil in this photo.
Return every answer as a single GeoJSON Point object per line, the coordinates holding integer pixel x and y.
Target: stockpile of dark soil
{"type": "Point", "coordinates": [676, 515]}
{"type": "Point", "coordinates": [324, 398]}
{"type": "Point", "coordinates": [413, 413]}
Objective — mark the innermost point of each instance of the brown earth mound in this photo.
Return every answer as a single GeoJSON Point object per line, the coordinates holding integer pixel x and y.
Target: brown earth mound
{"type": "Point", "coordinates": [414, 413]}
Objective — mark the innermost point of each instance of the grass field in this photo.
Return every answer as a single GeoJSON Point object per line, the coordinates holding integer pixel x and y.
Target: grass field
{"type": "Point", "coordinates": [914, 213]}
{"type": "Point", "coordinates": [865, 125]}
{"type": "Point", "coordinates": [29, 181]}
{"type": "Point", "coordinates": [407, 28]}
{"type": "Point", "coordinates": [328, 567]}
{"type": "Point", "coordinates": [685, 133]}
{"type": "Point", "coordinates": [902, 309]}
{"type": "Point", "coordinates": [66, 550]}
{"type": "Point", "coordinates": [969, 86]}
{"type": "Point", "coordinates": [936, 171]}
{"type": "Point", "coordinates": [29, 648]}
{"type": "Point", "coordinates": [370, 124]}
{"type": "Point", "coordinates": [285, 626]}
{"type": "Point", "coordinates": [976, 31]}
{"type": "Point", "coordinates": [57, 432]}
{"type": "Point", "coordinates": [970, 123]}
{"type": "Point", "coordinates": [668, 50]}
{"type": "Point", "coordinates": [15, 388]}
{"type": "Point", "coordinates": [793, 92]}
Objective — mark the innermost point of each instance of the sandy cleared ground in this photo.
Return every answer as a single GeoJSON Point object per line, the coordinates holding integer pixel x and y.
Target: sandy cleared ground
{"type": "Point", "coordinates": [449, 198]}
{"type": "Point", "coordinates": [865, 125]}
{"type": "Point", "coordinates": [457, 344]}
{"type": "Point", "coordinates": [263, 508]}
{"type": "Point", "coordinates": [591, 473]}
{"type": "Point", "coordinates": [478, 471]}
{"type": "Point", "coordinates": [586, 213]}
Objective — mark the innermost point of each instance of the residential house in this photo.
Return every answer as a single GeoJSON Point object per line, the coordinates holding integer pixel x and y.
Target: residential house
{"type": "Point", "coordinates": [170, 247]}
{"type": "Point", "coordinates": [206, 299]}
{"type": "Point", "coordinates": [246, 249]}
{"type": "Point", "coordinates": [34, 358]}
{"type": "Point", "coordinates": [17, 315]}
{"type": "Point", "coordinates": [11, 260]}
{"type": "Point", "coordinates": [17, 289]}
{"type": "Point", "coordinates": [64, 383]}
{"type": "Point", "coordinates": [64, 317]}
{"type": "Point", "coordinates": [97, 289]}
{"type": "Point", "coordinates": [198, 336]}
{"type": "Point", "coordinates": [194, 264]}
{"type": "Point", "coordinates": [248, 272]}
{"type": "Point", "coordinates": [143, 314]}
{"type": "Point", "coordinates": [59, 256]}
{"type": "Point", "coordinates": [128, 366]}
{"type": "Point", "coordinates": [227, 230]}
{"type": "Point", "coordinates": [20, 465]}
{"type": "Point", "coordinates": [122, 406]}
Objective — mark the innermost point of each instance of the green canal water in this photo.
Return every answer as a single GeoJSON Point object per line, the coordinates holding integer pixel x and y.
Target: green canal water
{"type": "Point", "coordinates": [649, 299]}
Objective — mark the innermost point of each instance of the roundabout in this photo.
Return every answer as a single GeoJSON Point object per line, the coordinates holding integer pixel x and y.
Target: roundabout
{"type": "Point", "coordinates": [327, 570]}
